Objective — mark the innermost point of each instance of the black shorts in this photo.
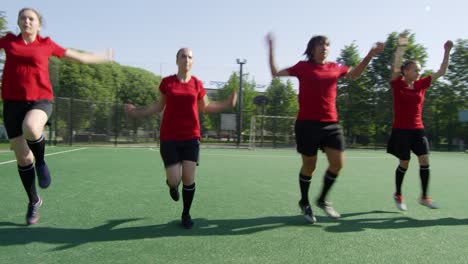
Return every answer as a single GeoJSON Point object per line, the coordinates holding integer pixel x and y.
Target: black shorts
{"type": "Point", "coordinates": [173, 152]}
{"type": "Point", "coordinates": [311, 135]}
{"type": "Point", "coordinates": [403, 141]}
{"type": "Point", "coordinates": [15, 111]}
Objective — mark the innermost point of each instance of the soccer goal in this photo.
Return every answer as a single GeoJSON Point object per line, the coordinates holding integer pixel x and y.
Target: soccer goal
{"type": "Point", "coordinates": [272, 132]}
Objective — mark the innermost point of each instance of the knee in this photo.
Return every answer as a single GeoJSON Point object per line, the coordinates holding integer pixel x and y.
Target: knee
{"type": "Point", "coordinates": [335, 168]}
{"type": "Point", "coordinates": [188, 182]}
{"type": "Point", "coordinates": [404, 164]}
{"type": "Point", "coordinates": [25, 160]}
{"type": "Point", "coordinates": [31, 131]}
{"type": "Point", "coordinates": [424, 161]}
{"type": "Point", "coordinates": [307, 169]}
{"type": "Point", "coordinates": [23, 154]}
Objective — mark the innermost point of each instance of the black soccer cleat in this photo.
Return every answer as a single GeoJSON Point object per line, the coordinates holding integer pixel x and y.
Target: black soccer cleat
{"type": "Point", "coordinates": [307, 212]}
{"type": "Point", "coordinates": [32, 215]}
{"type": "Point", "coordinates": [173, 192]}
{"type": "Point", "coordinates": [43, 174]}
{"type": "Point", "coordinates": [187, 222]}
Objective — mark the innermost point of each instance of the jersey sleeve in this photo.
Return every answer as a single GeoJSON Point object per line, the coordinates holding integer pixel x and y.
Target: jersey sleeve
{"type": "Point", "coordinates": [56, 50]}
{"type": "Point", "coordinates": [201, 90]}
{"type": "Point", "coordinates": [342, 69]}
{"type": "Point", "coordinates": [394, 82]}
{"type": "Point", "coordinates": [163, 86]}
{"type": "Point", "coordinates": [295, 70]}
{"type": "Point", "coordinates": [4, 40]}
{"type": "Point", "coordinates": [426, 82]}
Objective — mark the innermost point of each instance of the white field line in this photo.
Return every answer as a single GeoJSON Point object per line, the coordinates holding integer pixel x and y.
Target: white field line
{"type": "Point", "coordinates": [51, 154]}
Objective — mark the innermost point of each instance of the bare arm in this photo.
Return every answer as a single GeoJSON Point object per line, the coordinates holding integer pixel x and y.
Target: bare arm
{"type": "Point", "coordinates": [155, 108]}
{"type": "Point", "coordinates": [445, 61]}
{"type": "Point", "coordinates": [274, 71]}
{"type": "Point", "coordinates": [86, 57]}
{"type": "Point", "coordinates": [397, 57]}
{"type": "Point", "coordinates": [216, 106]}
{"type": "Point", "coordinates": [359, 69]}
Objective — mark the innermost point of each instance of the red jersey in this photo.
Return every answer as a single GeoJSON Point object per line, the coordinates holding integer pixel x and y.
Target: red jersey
{"type": "Point", "coordinates": [317, 89]}
{"type": "Point", "coordinates": [180, 118]}
{"type": "Point", "coordinates": [26, 71]}
{"type": "Point", "coordinates": [408, 103]}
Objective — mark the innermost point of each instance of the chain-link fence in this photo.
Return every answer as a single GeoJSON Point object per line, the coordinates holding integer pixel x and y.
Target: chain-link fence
{"type": "Point", "coordinates": [91, 122]}
{"type": "Point", "coordinates": [81, 122]}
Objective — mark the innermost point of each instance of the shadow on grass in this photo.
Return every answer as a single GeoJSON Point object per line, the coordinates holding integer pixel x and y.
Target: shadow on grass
{"type": "Point", "coordinates": [15, 234]}
{"type": "Point", "coordinates": [395, 222]}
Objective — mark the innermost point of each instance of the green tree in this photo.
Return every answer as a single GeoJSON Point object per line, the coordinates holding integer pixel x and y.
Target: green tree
{"type": "Point", "coordinates": [140, 87]}
{"type": "Point", "coordinates": [447, 97]}
{"type": "Point", "coordinates": [98, 91]}
{"type": "Point", "coordinates": [354, 100]}
{"type": "Point", "coordinates": [283, 98]}
{"type": "Point", "coordinates": [282, 102]}
{"type": "Point", "coordinates": [213, 121]}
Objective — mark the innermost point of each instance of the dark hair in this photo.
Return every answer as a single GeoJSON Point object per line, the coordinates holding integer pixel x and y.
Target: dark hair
{"type": "Point", "coordinates": [39, 16]}
{"type": "Point", "coordinates": [179, 51]}
{"type": "Point", "coordinates": [407, 64]}
{"type": "Point", "coordinates": [314, 41]}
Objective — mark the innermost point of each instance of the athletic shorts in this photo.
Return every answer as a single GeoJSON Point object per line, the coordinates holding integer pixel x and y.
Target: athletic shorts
{"type": "Point", "coordinates": [14, 113]}
{"type": "Point", "coordinates": [173, 152]}
{"type": "Point", "coordinates": [312, 135]}
{"type": "Point", "coordinates": [403, 141]}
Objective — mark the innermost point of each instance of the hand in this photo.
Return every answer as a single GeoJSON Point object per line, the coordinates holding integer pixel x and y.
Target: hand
{"type": "Point", "coordinates": [129, 109]}
{"type": "Point", "coordinates": [270, 38]}
{"type": "Point", "coordinates": [377, 48]}
{"type": "Point", "coordinates": [107, 55]}
{"type": "Point", "coordinates": [110, 54]}
{"type": "Point", "coordinates": [232, 99]}
{"type": "Point", "coordinates": [403, 39]}
{"type": "Point", "coordinates": [448, 45]}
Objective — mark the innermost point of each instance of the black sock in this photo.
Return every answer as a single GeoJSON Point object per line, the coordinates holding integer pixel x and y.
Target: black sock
{"type": "Point", "coordinates": [424, 175]}
{"type": "Point", "coordinates": [187, 196]}
{"type": "Point", "coordinates": [28, 177]}
{"type": "Point", "coordinates": [328, 180]}
{"type": "Point", "coordinates": [399, 175]}
{"type": "Point", "coordinates": [304, 184]}
{"type": "Point", "coordinates": [38, 149]}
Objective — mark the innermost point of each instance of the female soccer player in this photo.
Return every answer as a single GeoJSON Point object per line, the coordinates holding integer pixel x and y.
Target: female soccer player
{"type": "Point", "coordinates": [27, 99]}
{"type": "Point", "coordinates": [317, 121]}
{"type": "Point", "coordinates": [181, 96]}
{"type": "Point", "coordinates": [408, 129]}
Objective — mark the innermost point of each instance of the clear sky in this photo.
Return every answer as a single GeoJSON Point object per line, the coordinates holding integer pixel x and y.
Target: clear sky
{"type": "Point", "coordinates": [147, 34]}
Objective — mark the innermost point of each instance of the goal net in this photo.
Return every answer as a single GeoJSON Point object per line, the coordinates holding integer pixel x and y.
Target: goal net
{"type": "Point", "coordinates": [272, 132]}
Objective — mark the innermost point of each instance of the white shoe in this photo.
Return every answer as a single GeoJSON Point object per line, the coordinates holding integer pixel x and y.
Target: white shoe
{"type": "Point", "coordinates": [400, 204]}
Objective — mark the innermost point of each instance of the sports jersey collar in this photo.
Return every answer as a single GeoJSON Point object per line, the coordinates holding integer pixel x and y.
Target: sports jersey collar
{"type": "Point", "coordinates": [38, 39]}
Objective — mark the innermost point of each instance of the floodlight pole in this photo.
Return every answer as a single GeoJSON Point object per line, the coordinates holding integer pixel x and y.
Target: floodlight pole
{"type": "Point", "coordinates": [239, 103]}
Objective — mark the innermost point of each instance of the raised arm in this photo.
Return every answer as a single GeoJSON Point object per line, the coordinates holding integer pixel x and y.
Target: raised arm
{"type": "Point", "coordinates": [271, 46]}
{"type": "Point", "coordinates": [398, 56]}
{"type": "Point", "coordinates": [216, 106]}
{"type": "Point", "coordinates": [359, 69]}
{"type": "Point", "coordinates": [155, 108]}
{"type": "Point", "coordinates": [445, 61]}
{"type": "Point", "coordinates": [86, 57]}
